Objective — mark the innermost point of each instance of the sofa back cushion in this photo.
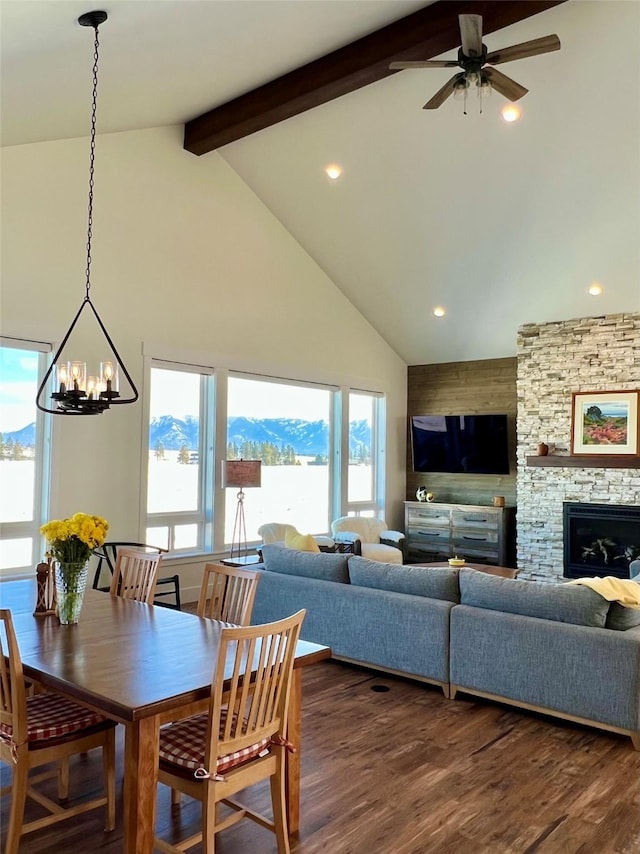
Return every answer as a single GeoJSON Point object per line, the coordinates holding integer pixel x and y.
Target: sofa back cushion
{"type": "Point", "coordinates": [325, 567]}
{"type": "Point", "coordinates": [622, 618]}
{"type": "Point", "coordinates": [559, 602]}
{"type": "Point", "coordinates": [435, 583]}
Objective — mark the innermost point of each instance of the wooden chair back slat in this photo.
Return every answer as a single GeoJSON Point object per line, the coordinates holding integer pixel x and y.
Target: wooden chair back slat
{"type": "Point", "coordinates": [135, 575]}
{"type": "Point", "coordinates": [256, 693]}
{"type": "Point", "coordinates": [227, 593]}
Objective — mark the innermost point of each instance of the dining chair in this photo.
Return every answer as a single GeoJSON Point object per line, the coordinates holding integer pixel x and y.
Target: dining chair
{"type": "Point", "coordinates": [42, 729]}
{"type": "Point", "coordinates": [107, 555]}
{"type": "Point", "coordinates": [228, 593]}
{"type": "Point", "coordinates": [242, 739]}
{"type": "Point", "coordinates": [135, 575]}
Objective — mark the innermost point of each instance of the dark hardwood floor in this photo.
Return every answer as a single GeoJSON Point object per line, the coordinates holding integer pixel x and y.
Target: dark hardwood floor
{"type": "Point", "coordinates": [405, 771]}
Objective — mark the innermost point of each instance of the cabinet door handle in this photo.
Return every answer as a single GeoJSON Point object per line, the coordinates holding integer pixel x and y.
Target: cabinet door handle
{"type": "Point", "coordinates": [475, 539]}
{"type": "Point", "coordinates": [431, 533]}
{"type": "Point", "coordinates": [474, 519]}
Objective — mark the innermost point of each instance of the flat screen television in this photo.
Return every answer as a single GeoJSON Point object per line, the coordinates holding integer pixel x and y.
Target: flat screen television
{"type": "Point", "coordinates": [472, 444]}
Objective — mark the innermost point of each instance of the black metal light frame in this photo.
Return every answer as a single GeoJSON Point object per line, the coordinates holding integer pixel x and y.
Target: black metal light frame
{"type": "Point", "coordinates": [74, 400]}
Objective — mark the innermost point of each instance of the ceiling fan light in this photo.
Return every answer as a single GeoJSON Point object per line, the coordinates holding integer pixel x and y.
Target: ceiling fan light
{"type": "Point", "coordinates": [460, 89]}
{"type": "Point", "coordinates": [511, 113]}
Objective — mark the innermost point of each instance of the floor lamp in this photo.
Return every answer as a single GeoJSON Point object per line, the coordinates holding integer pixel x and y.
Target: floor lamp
{"type": "Point", "coordinates": [240, 474]}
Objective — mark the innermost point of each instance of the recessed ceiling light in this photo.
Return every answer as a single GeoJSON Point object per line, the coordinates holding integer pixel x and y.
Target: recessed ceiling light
{"type": "Point", "coordinates": [596, 289]}
{"type": "Point", "coordinates": [439, 311]}
{"type": "Point", "coordinates": [511, 113]}
{"type": "Point", "coordinates": [333, 171]}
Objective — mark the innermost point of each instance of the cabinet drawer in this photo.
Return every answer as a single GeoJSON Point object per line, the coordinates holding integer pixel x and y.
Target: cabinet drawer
{"type": "Point", "coordinates": [428, 534]}
{"type": "Point", "coordinates": [470, 538]}
{"type": "Point", "coordinates": [425, 552]}
{"type": "Point", "coordinates": [475, 519]}
{"type": "Point", "coordinates": [431, 515]}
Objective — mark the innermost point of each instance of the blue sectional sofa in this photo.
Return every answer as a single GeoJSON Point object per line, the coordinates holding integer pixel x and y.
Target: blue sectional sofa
{"type": "Point", "coordinates": [556, 648]}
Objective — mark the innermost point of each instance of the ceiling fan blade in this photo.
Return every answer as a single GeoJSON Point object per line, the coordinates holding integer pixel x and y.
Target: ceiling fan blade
{"type": "Point", "coordinates": [505, 85]}
{"type": "Point", "coordinates": [442, 94]}
{"type": "Point", "coordinates": [546, 44]}
{"type": "Point", "coordinates": [425, 63]}
{"type": "Point", "coordinates": [471, 32]}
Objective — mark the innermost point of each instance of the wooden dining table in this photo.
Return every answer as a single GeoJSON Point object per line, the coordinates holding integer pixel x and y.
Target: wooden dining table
{"type": "Point", "coordinates": [142, 666]}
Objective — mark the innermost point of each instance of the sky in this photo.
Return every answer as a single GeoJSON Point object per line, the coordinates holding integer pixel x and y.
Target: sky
{"type": "Point", "coordinates": [176, 393]}
{"type": "Point", "coordinates": [18, 384]}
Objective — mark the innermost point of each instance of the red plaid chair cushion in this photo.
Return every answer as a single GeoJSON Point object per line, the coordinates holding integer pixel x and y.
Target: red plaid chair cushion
{"type": "Point", "coordinates": [182, 744]}
{"type": "Point", "coordinates": [52, 716]}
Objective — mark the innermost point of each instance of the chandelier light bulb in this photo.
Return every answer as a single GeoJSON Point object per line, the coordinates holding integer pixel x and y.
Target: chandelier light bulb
{"type": "Point", "coordinates": [596, 289]}
{"type": "Point", "coordinates": [333, 171]}
{"type": "Point", "coordinates": [439, 311]}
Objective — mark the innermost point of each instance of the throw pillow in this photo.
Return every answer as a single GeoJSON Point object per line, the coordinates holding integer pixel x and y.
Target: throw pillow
{"type": "Point", "coordinates": [301, 542]}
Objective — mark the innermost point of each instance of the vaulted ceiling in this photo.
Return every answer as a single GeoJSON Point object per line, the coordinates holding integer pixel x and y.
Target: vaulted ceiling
{"type": "Point", "coordinates": [500, 224]}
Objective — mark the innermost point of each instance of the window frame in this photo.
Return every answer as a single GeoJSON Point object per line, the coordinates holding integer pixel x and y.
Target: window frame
{"type": "Point", "coordinates": [213, 449]}
{"type": "Point", "coordinates": [42, 461]}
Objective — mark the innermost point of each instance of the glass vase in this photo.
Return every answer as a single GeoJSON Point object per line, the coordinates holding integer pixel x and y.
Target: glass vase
{"type": "Point", "coordinates": [71, 582]}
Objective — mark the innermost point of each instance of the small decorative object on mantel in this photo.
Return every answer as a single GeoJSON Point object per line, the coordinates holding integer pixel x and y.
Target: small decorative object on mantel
{"type": "Point", "coordinates": [543, 449]}
{"type": "Point", "coordinates": [46, 589]}
{"type": "Point", "coordinates": [430, 496]}
{"type": "Point", "coordinates": [456, 561]}
{"type": "Point", "coordinates": [421, 493]}
{"type": "Point", "coordinates": [498, 500]}
{"type": "Point", "coordinates": [72, 542]}
{"type": "Point", "coordinates": [604, 422]}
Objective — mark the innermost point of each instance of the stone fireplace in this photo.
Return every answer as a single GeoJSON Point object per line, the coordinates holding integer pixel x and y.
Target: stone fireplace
{"type": "Point", "coordinates": [599, 539]}
{"type": "Point", "coordinates": [554, 360]}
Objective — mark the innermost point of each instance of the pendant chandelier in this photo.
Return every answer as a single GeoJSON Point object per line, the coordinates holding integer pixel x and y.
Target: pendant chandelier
{"type": "Point", "coordinates": [76, 392]}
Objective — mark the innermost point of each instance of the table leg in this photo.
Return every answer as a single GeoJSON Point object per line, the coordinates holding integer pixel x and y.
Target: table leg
{"type": "Point", "coordinates": [292, 760]}
{"type": "Point", "coordinates": [140, 784]}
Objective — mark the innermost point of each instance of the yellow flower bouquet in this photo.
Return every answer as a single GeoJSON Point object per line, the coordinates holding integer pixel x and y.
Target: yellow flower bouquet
{"type": "Point", "coordinates": [71, 544]}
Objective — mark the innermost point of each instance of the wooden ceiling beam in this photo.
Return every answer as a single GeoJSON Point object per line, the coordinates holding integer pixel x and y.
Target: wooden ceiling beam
{"type": "Point", "coordinates": [424, 34]}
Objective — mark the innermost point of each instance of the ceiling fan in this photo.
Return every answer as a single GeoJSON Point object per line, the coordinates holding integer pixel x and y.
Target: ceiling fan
{"type": "Point", "coordinates": [472, 59]}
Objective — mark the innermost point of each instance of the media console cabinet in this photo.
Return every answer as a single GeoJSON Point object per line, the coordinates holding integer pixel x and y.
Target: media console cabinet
{"type": "Point", "coordinates": [478, 533]}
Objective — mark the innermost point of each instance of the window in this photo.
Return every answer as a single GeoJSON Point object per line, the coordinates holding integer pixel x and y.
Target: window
{"type": "Point", "coordinates": [198, 418]}
{"type": "Point", "coordinates": [285, 425]}
{"type": "Point", "coordinates": [178, 458]}
{"type": "Point", "coordinates": [24, 454]}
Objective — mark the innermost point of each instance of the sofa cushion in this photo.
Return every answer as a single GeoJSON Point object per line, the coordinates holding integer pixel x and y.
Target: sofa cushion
{"type": "Point", "coordinates": [326, 567]}
{"type": "Point", "coordinates": [622, 618]}
{"type": "Point", "coordinates": [435, 583]}
{"type": "Point", "coordinates": [302, 542]}
{"type": "Point", "coordinates": [577, 605]}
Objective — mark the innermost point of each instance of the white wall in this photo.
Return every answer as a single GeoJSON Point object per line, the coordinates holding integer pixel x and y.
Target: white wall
{"type": "Point", "coordinates": [187, 262]}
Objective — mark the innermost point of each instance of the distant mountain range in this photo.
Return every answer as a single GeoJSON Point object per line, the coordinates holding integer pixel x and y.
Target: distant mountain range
{"type": "Point", "coordinates": [307, 438]}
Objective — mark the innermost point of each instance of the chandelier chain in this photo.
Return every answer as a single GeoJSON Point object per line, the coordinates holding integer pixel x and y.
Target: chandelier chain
{"type": "Point", "coordinates": [92, 157]}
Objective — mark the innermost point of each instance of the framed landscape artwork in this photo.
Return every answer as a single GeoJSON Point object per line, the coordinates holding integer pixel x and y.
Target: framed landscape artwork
{"type": "Point", "coordinates": [604, 422]}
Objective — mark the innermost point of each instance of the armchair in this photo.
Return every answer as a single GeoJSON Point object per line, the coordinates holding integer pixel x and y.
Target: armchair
{"type": "Point", "coordinates": [276, 532]}
{"type": "Point", "coordinates": [371, 538]}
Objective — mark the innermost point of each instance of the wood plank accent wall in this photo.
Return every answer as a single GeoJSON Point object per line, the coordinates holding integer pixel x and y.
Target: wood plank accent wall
{"type": "Point", "coordinates": [482, 387]}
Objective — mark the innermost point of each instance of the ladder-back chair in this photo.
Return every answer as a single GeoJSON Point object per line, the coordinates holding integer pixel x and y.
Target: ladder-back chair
{"type": "Point", "coordinates": [242, 739]}
{"type": "Point", "coordinates": [135, 575]}
{"type": "Point", "coordinates": [228, 593]}
{"type": "Point", "coordinates": [107, 555]}
{"type": "Point", "coordinates": [40, 730]}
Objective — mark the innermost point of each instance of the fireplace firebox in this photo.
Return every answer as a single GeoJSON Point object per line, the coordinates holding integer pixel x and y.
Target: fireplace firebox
{"type": "Point", "coordinates": [600, 539]}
